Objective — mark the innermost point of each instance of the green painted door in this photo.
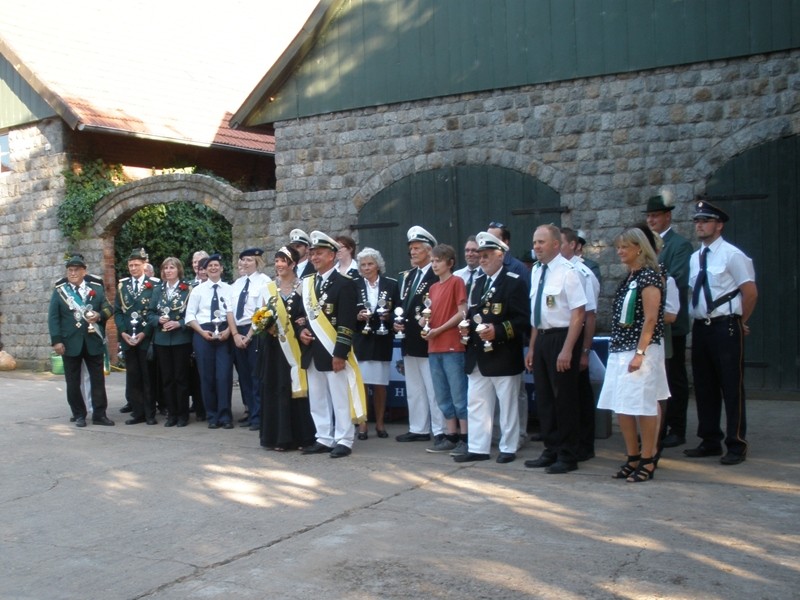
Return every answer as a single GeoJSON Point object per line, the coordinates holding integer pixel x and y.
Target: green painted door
{"type": "Point", "coordinates": [767, 229]}
{"type": "Point", "coordinates": [453, 203]}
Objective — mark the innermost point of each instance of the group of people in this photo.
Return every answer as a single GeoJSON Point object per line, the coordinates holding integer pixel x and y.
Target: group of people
{"type": "Point", "coordinates": [312, 344]}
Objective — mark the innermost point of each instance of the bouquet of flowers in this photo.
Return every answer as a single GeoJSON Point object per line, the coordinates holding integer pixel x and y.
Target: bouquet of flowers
{"type": "Point", "coordinates": [264, 319]}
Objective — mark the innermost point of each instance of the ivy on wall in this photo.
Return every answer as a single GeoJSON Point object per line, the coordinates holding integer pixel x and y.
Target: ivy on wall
{"type": "Point", "coordinates": [85, 186]}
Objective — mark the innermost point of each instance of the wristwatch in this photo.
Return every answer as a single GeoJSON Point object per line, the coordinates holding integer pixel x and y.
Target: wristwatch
{"type": "Point", "coordinates": [639, 352]}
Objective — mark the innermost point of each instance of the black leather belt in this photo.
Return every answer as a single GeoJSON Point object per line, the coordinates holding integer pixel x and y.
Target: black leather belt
{"type": "Point", "coordinates": [552, 330]}
{"type": "Point", "coordinates": [709, 321]}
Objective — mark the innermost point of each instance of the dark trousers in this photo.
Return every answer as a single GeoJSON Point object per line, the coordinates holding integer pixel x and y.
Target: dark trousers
{"type": "Point", "coordinates": [138, 387]}
{"type": "Point", "coordinates": [586, 408]}
{"type": "Point", "coordinates": [72, 376]}
{"type": "Point", "coordinates": [678, 387]}
{"type": "Point", "coordinates": [557, 396]}
{"type": "Point", "coordinates": [718, 369]}
{"type": "Point", "coordinates": [249, 384]}
{"type": "Point", "coordinates": [215, 365]}
{"type": "Point", "coordinates": [196, 389]}
{"type": "Point", "coordinates": [174, 369]}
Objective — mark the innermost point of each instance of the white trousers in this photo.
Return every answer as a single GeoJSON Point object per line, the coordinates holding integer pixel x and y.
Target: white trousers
{"type": "Point", "coordinates": [423, 412]}
{"type": "Point", "coordinates": [482, 392]}
{"type": "Point", "coordinates": [330, 407]}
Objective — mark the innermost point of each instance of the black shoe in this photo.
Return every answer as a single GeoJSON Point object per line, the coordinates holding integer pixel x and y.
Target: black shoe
{"type": "Point", "coordinates": [558, 468]}
{"type": "Point", "coordinates": [182, 422]}
{"type": "Point", "coordinates": [413, 437]}
{"type": "Point", "coordinates": [213, 425]}
{"type": "Point", "coordinates": [152, 421]}
{"type": "Point", "coordinates": [584, 456]}
{"type": "Point", "coordinates": [545, 460]}
{"type": "Point", "coordinates": [317, 448]}
{"type": "Point", "coordinates": [506, 457]}
{"type": "Point", "coordinates": [80, 421]}
{"type": "Point", "coordinates": [363, 435]}
{"type": "Point", "coordinates": [126, 409]}
{"type": "Point", "coordinates": [171, 422]}
{"type": "Point", "coordinates": [340, 450]}
{"type": "Point", "coordinates": [102, 421]}
{"type": "Point", "coordinates": [702, 451]}
{"type": "Point", "coordinates": [470, 457]}
{"type": "Point", "coordinates": [244, 423]}
{"type": "Point", "coordinates": [134, 421]}
{"type": "Point", "coordinates": [732, 458]}
{"type": "Point", "coordinates": [228, 425]}
{"type": "Point", "coordinates": [244, 419]}
{"type": "Point", "coordinates": [673, 440]}
{"type": "Point", "coordinates": [536, 437]}
{"type": "Point", "coordinates": [254, 427]}
{"type": "Point", "coordinates": [72, 419]}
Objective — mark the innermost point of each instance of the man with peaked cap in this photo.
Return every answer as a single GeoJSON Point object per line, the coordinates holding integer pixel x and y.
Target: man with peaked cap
{"type": "Point", "coordinates": [299, 240]}
{"type": "Point", "coordinates": [724, 295]}
{"type": "Point", "coordinates": [335, 388]}
{"type": "Point", "coordinates": [424, 415]}
{"type": "Point", "coordinates": [557, 314]}
{"type": "Point", "coordinates": [206, 314]}
{"type": "Point", "coordinates": [498, 318]}
{"type": "Point", "coordinates": [76, 321]}
{"type": "Point", "coordinates": [247, 293]}
{"type": "Point", "coordinates": [675, 257]}
{"type": "Point", "coordinates": [135, 334]}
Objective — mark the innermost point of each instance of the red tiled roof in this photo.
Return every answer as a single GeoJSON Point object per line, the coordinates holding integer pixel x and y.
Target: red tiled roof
{"type": "Point", "coordinates": [173, 70]}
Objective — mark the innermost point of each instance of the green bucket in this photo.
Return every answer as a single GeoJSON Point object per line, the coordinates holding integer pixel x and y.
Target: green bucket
{"type": "Point", "coordinates": [56, 364]}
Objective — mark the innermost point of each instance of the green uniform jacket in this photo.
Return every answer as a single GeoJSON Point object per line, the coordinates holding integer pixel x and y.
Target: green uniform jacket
{"type": "Point", "coordinates": [65, 329]}
{"type": "Point", "coordinates": [126, 303]}
{"type": "Point", "coordinates": [675, 256]}
{"type": "Point", "coordinates": [177, 312]}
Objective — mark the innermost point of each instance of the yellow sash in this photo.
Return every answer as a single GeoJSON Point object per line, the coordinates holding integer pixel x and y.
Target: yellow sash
{"type": "Point", "coordinates": [289, 343]}
{"type": "Point", "coordinates": [325, 333]}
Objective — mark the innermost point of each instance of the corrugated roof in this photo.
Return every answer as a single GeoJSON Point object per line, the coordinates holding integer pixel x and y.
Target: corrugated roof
{"type": "Point", "coordinates": [173, 70]}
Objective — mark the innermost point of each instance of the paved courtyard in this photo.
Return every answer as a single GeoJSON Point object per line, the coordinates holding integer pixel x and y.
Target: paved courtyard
{"type": "Point", "coordinates": [131, 512]}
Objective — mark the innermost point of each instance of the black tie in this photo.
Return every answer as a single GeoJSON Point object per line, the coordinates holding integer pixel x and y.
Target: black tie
{"type": "Point", "coordinates": [702, 283]}
{"type": "Point", "coordinates": [471, 277]}
{"type": "Point", "coordinates": [135, 286]}
{"type": "Point", "coordinates": [318, 285]}
{"type": "Point", "coordinates": [537, 307]}
{"type": "Point", "coordinates": [214, 301]}
{"type": "Point", "coordinates": [242, 300]}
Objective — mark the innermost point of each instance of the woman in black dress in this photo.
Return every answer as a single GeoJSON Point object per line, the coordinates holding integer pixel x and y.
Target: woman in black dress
{"type": "Point", "coordinates": [286, 422]}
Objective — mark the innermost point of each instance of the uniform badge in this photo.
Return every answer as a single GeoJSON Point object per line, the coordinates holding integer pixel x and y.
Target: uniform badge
{"type": "Point", "coordinates": [497, 308]}
{"type": "Point", "coordinates": [550, 301]}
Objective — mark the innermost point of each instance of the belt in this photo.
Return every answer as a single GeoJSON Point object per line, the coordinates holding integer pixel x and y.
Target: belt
{"type": "Point", "coordinates": [552, 330]}
{"type": "Point", "coordinates": [709, 321]}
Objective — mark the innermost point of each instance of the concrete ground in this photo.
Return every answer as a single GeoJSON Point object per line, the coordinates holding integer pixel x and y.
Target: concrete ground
{"type": "Point", "coordinates": [147, 512]}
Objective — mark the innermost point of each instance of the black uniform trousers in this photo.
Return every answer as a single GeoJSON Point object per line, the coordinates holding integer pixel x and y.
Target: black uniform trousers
{"type": "Point", "coordinates": [718, 369]}
{"type": "Point", "coordinates": [678, 382]}
{"type": "Point", "coordinates": [557, 397]}
{"type": "Point", "coordinates": [138, 383]}
{"type": "Point", "coordinates": [73, 376]}
{"type": "Point", "coordinates": [174, 367]}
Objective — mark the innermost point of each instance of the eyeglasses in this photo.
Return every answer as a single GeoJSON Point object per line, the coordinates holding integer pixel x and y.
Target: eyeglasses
{"type": "Point", "coordinates": [496, 225]}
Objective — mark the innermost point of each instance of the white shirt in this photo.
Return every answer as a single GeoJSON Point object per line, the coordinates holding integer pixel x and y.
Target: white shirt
{"type": "Point", "coordinates": [728, 268]}
{"type": "Point", "coordinates": [255, 293]}
{"type": "Point", "coordinates": [199, 306]}
{"type": "Point", "coordinates": [672, 304]}
{"type": "Point", "coordinates": [591, 287]}
{"type": "Point", "coordinates": [563, 293]}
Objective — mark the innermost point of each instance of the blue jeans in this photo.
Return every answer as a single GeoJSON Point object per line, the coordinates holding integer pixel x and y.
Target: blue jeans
{"type": "Point", "coordinates": [449, 383]}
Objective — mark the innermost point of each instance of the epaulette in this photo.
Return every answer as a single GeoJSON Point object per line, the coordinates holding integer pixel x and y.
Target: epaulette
{"type": "Point", "coordinates": [346, 275]}
{"type": "Point", "coordinates": [156, 279]}
{"type": "Point", "coordinates": [390, 279]}
{"type": "Point", "coordinates": [124, 279]}
{"type": "Point", "coordinates": [514, 275]}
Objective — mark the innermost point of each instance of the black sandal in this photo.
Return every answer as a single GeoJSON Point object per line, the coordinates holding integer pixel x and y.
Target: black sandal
{"type": "Point", "coordinates": [363, 435]}
{"type": "Point", "coordinates": [628, 469]}
{"type": "Point", "coordinates": [640, 475]}
{"type": "Point", "coordinates": [382, 433]}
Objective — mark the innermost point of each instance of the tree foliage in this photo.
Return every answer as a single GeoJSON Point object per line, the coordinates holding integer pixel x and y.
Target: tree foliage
{"type": "Point", "coordinates": [177, 229]}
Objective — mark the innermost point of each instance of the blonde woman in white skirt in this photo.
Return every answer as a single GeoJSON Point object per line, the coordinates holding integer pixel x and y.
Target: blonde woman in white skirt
{"type": "Point", "coordinates": [635, 376]}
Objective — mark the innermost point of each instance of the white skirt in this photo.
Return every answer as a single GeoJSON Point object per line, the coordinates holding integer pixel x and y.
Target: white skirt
{"type": "Point", "coordinates": [635, 393]}
{"type": "Point", "coordinates": [375, 372]}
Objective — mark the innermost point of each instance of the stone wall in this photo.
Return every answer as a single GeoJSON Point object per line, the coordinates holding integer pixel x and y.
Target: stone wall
{"type": "Point", "coordinates": [604, 143]}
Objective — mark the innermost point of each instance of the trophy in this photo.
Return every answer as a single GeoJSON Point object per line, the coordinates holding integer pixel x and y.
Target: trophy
{"type": "Point", "coordinates": [88, 313]}
{"type": "Point", "coordinates": [426, 316]}
{"type": "Point", "coordinates": [134, 322]}
{"type": "Point", "coordinates": [481, 326]}
{"type": "Point", "coordinates": [216, 320]}
{"type": "Point", "coordinates": [164, 313]}
{"type": "Point", "coordinates": [367, 329]}
{"type": "Point", "coordinates": [382, 315]}
{"type": "Point", "coordinates": [399, 320]}
{"type": "Point", "coordinates": [464, 324]}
